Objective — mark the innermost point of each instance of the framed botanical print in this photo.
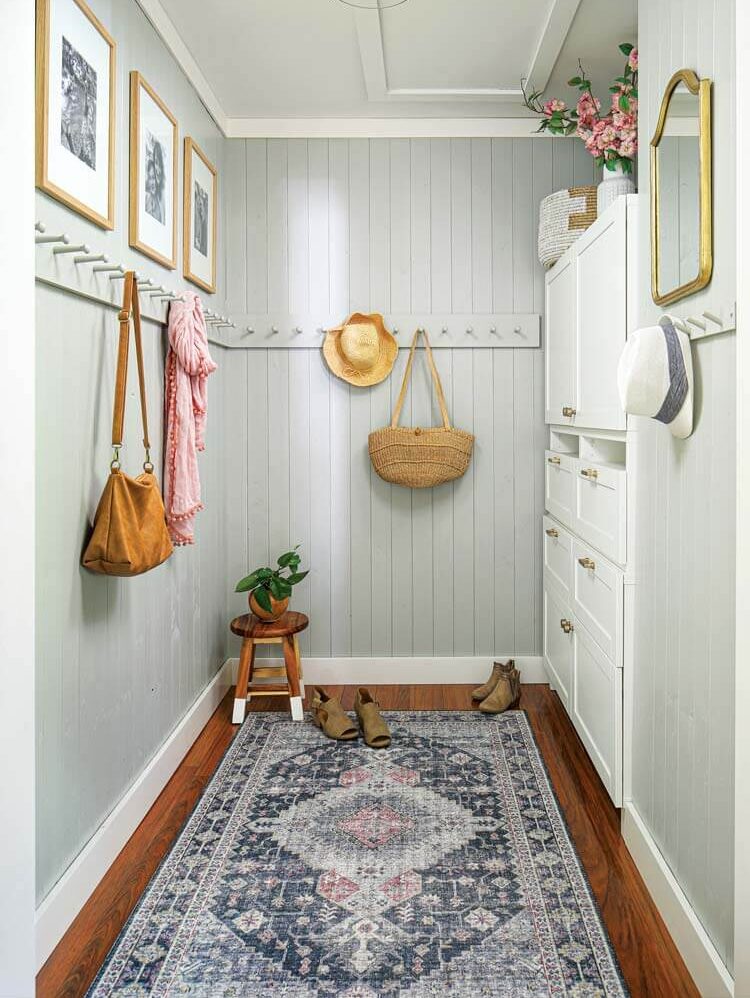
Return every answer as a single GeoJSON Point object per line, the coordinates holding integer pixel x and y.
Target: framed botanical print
{"type": "Point", "coordinates": [199, 218]}
{"type": "Point", "coordinates": [75, 109]}
{"type": "Point", "coordinates": [153, 174]}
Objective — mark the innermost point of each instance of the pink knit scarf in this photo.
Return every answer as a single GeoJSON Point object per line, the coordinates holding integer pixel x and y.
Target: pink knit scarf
{"type": "Point", "coordinates": [188, 366]}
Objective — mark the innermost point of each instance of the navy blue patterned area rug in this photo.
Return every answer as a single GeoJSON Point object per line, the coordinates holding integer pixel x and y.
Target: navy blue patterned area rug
{"type": "Point", "coordinates": [440, 866]}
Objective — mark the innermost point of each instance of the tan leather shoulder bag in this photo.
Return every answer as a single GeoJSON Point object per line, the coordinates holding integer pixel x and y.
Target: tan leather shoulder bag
{"type": "Point", "coordinates": [129, 534]}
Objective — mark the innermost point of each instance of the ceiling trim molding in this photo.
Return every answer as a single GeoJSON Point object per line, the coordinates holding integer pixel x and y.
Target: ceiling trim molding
{"type": "Point", "coordinates": [551, 41]}
{"type": "Point", "coordinates": [372, 52]}
{"type": "Point", "coordinates": [163, 25]}
{"type": "Point", "coordinates": [383, 128]}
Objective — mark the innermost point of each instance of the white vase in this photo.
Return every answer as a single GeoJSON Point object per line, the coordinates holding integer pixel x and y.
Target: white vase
{"type": "Point", "coordinates": [614, 184]}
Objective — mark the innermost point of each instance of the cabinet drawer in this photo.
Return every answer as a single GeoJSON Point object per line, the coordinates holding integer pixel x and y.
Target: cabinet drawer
{"type": "Point", "coordinates": [599, 508]}
{"type": "Point", "coordinates": [596, 710]}
{"type": "Point", "coordinates": [556, 543]}
{"type": "Point", "coordinates": [557, 642]}
{"type": "Point", "coordinates": [596, 598]}
{"type": "Point", "coordinates": [559, 485]}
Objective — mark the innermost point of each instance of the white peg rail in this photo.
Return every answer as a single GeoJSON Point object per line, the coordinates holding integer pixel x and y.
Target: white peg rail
{"type": "Point", "coordinates": [700, 324]}
{"type": "Point", "coordinates": [80, 270]}
{"type": "Point", "coordinates": [282, 329]}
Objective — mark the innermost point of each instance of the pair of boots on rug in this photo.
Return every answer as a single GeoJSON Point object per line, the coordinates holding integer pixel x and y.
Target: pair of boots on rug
{"type": "Point", "coordinates": [501, 691]}
{"type": "Point", "coordinates": [333, 720]}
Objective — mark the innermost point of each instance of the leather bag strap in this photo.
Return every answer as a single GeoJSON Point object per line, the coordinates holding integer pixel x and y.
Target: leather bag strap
{"type": "Point", "coordinates": [407, 377]}
{"type": "Point", "coordinates": [130, 304]}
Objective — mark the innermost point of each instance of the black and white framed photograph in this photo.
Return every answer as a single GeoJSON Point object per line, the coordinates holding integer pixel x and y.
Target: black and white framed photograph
{"type": "Point", "coordinates": [76, 109]}
{"type": "Point", "coordinates": [199, 218]}
{"type": "Point", "coordinates": [153, 174]}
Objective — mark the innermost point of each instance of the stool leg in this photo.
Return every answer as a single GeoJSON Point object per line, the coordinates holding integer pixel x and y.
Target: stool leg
{"type": "Point", "coordinates": [292, 675]}
{"type": "Point", "coordinates": [247, 654]}
{"type": "Point", "coordinates": [299, 666]}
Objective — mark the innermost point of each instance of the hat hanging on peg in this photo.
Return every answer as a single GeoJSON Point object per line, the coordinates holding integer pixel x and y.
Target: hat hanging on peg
{"type": "Point", "coordinates": [62, 238]}
{"type": "Point", "coordinates": [90, 258]}
{"type": "Point", "coordinates": [67, 248]}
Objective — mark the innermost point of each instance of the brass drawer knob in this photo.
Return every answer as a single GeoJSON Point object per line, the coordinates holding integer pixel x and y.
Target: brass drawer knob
{"type": "Point", "coordinates": [551, 532]}
{"type": "Point", "coordinates": [566, 626]}
{"type": "Point", "coordinates": [553, 460]}
{"type": "Point", "coordinates": [590, 473]}
{"type": "Point", "coordinates": [587, 563]}
{"type": "Point", "coordinates": [568, 410]}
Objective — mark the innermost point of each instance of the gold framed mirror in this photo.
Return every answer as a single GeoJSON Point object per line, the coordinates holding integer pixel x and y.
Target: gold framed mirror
{"type": "Point", "coordinates": [681, 222]}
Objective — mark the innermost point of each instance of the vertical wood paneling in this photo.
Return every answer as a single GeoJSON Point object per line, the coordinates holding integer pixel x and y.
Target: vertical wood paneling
{"type": "Point", "coordinates": [410, 225]}
{"type": "Point", "coordinates": [256, 229]}
{"type": "Point", "coordinates": [359, 427]}
{"type": "Point", "coordinates": [684, 654]}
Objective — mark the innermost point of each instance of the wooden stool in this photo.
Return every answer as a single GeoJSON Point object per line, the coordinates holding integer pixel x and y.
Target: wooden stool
{"type": "Point", "coordinates": [282, 632]}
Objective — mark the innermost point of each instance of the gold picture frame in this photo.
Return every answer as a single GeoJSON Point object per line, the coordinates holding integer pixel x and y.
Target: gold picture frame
{"type": "Point", "coordinates": [152, 203]}
{"type": "Point", "coordinates": [49, 176]}
{"type": "Point", "coordinates": [207, 281]}
{"type": "Point", "coordinates": [702, 89]}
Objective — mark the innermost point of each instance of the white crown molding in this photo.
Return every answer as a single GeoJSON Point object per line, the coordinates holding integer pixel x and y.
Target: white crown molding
{"type": "Point", "coordinates": [373, 65]}
{"type": "Point", "coordinates": [165, 29]}
{"type": "Point", "coordinates": [372, 52]}
{"type": "Point", "coordinates": [382, 128]}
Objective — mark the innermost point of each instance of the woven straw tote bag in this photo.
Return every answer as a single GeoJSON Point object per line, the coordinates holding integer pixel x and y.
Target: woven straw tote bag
{"type": "Point", "coordinates": [415, 457]}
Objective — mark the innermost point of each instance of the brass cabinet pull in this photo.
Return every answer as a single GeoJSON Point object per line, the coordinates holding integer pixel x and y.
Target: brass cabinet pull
{"type": "Point", "coordinates": [568, 410]}
{"type": "Point", "coordinates": [587, 563]}
{"type": "Point", "coordinates": [551, 532]}
{"type": "Point", "coordinates": [553, 460]}
{"type": "Point", "coordinates": [566, 625]}
{"type": "Point", "coordinates": [590, 473]}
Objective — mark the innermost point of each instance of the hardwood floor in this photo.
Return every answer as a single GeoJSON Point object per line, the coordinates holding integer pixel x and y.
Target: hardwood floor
{"type": "Point", "coordinates": [650, 962]}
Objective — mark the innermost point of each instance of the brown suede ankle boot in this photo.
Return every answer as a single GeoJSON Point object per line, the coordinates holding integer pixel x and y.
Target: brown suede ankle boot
{"type": "Point", "coordinates": [500, 698]}
{"type": "Point", "coordinates": [509, 669]}
{"type": "Point", "coordinates": [483, 691]}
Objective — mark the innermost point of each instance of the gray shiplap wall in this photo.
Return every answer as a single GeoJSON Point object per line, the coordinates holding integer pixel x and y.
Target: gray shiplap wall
{"type": "Point", "coordinates": [119, 661]}
{"type": "Point", "coordinates": [423, 225]}
{"type": "Point", "coordinates": [684, 655]}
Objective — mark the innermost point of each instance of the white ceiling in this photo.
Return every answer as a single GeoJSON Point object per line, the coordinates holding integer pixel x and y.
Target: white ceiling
{"type": "Point", "coordinates": [425, 58]}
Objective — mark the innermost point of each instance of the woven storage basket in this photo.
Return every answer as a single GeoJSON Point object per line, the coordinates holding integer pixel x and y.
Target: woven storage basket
{"type": "Point", "coordinates": [415, 457]}
{"type": "Point", "coordinates": [563, 216]}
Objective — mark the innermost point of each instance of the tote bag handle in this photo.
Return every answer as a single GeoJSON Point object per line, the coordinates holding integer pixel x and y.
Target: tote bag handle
{"type": "Point", "coordinates": [407, 377]}
{"type": "Point", "coordinates": [130, 304]}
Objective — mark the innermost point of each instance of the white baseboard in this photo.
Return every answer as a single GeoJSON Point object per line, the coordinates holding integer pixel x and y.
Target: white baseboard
{"type": "Point", "coordinates": [410, 671]}
{"type": "Point", "coordinates": [711, 976]}
{"type": "Point", "coordinates": [57, 911]}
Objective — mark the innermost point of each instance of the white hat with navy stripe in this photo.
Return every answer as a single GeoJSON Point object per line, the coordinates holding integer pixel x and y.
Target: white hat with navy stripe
{"type": "Point", "coordinates": [655, 376]}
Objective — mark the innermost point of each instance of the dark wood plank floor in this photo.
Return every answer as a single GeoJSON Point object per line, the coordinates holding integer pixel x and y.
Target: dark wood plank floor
{"type": "Point", "coordinates": [649, 960]}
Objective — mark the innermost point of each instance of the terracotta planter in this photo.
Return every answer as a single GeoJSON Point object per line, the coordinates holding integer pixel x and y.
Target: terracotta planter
{"type": "Point", "coordinates": [278, 607]}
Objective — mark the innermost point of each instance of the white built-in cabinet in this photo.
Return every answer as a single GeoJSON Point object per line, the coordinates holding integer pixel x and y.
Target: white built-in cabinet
{"type": "Point", "coordinates": [589, 296]}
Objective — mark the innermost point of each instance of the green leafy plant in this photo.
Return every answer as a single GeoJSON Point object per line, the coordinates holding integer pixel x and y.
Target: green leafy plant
{"type": "Point", "coordinates": [264, 583]}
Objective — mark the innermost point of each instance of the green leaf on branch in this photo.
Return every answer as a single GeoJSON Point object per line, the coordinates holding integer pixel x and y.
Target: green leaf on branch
{"type": "Point", "coordinates": [574, 81]}
{"type": "Point", "coordinates": [263, 599]}
{"type": "Point", "coordinates": [626, 48]}
{"type": "Point", "coordinates": [624, 104]}
{"type": "Point", "coordinates": [297, 577]}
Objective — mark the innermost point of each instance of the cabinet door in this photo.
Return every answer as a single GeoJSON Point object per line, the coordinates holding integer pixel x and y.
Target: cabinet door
{"type": "Point", "coordinates": [556, 545]}
{"type": "Point", "coordinates": [596, 708]}
{"type": "Point", "coordinates": [601, 307]}
{"type": "Point", "coordinates": [560, 303]}
{"type": "Point", "coordinates": [557, 642]}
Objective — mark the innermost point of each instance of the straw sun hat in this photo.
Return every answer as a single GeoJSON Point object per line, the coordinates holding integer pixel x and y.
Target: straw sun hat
{"type": "Point", "coordinates": [362, 351]}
